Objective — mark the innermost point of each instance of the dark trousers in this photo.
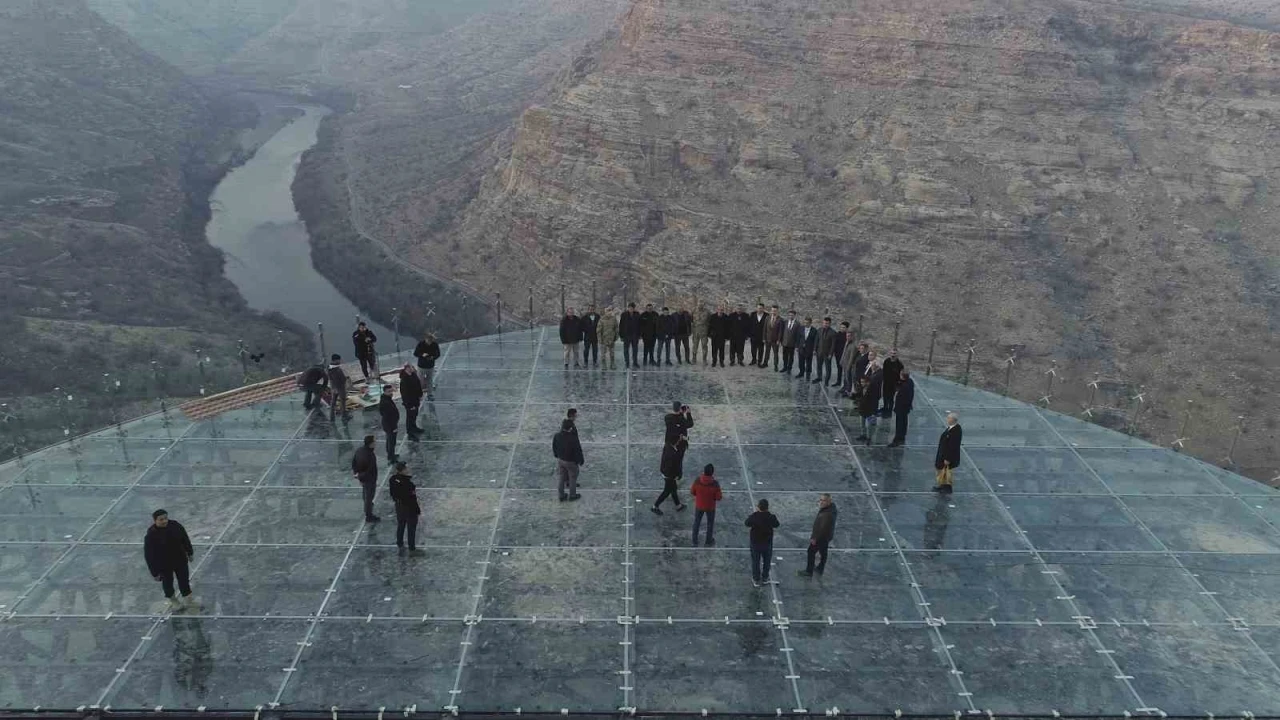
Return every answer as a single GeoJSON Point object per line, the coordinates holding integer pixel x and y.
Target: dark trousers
{"type": "Point", "coordinates": [405, 520]}
{"type": "Point", "coordinates": [183, 573]}
{"type": "Point", "coordinates": [824, 369]}
{"type": "Point", "coordinates": [370, 489]}
{"type": "Point", "coordinates": [669, 490]}
{"type": "Point", "coordinates": [664, 346]}
{"type": "Point", "coordinates": [737, 347]}
{"type": "Point", "coordinates": [338, 397]}
{"type": "Point", "coordinates": [770, 349]}
{"type": "Point", "coordinates": [839, 375]}
{"type": "Point", "coordinates": [757, 351]}
{"type": "Point", "coordinates": [806, 365]}
{"type": "Point", "coordinates": [900, 426]}
{"type": "Point", "coordinates": [648, 350]}
{"type": "Point", "coordinates": [788, 357]}
{"type": "Point", "coordinates": [630, 351]}
{"type": "Point", "coordinates": [847, 387]}
{"type": "Point", "coordinates": [391, 445]}
{"type": "Point", "coordinates": [368, 365]}
{"type": "Point", "coordinates": [411, 419]}
{"type": "Point", "coordinates": [312, 397]}
{"type": "Point", "coordinates": [817, 548]}
{"type": "Point", "coordinates": [888, 399]}
{"type": "Point", "coordinates": [683, 341]}
{"type": "Point", "coordinates": [711, 525]}
{"type": "Point", "coordinates": [590, 349]}
{"type": "Point", "coordinates": [760, 554]}
{"type": "Point", "coordinates": [717, 352]}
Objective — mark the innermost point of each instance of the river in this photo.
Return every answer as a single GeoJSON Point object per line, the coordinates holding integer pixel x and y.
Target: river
{"type": "Point", "coordinates": [266, 245]}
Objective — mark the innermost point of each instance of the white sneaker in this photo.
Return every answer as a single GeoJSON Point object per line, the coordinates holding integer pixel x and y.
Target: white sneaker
{"type": "Point", "coordinates": [191, 601]}
{"type": "Point", "coordinates": [174, 603]}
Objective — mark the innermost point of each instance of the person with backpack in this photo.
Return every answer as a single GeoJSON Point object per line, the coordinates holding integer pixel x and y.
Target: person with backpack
{"type": "Point", "coordinates": [672, 469]}
{"type": "Point", "coordinates": [762, 524]}
{"type": "Point", "coordinates": [706, 493]}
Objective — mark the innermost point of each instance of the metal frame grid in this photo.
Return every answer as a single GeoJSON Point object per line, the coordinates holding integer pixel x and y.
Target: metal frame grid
{"type": "Point", "coordinates": [991, 617]}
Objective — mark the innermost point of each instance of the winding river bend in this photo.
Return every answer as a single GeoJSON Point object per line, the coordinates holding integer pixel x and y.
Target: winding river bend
{"type": "Point", "coordinates": [266, 245]}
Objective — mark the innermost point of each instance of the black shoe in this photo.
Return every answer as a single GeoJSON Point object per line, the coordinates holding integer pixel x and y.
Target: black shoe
{"type": "Point", "coordinates": [710, 542]}
{"type": "Point", "coordinates": [680, 507]}
{"type": "Point", "coordinates": [804, 573]}
{"type": "Point", "coordinates": [815, 382]}
{"type": "Point", "coordinates": [563, 498]}
{"type": "Point", "coordinates": [372, 519]}
{"type": "Point", "coordinates": [566, 366]}
{"type": "Point", "coordinates": [654, 509]}
{"type": "Point", "coordinates": [861, 437]}
{"type": "Point", "coordinates": [575, 496]}
{"type": "Point", "coordinates": [894, 444]}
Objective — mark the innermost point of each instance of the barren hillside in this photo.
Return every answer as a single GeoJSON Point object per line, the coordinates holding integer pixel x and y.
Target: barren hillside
{"type": "Point", "coordinates": [1085, 181]}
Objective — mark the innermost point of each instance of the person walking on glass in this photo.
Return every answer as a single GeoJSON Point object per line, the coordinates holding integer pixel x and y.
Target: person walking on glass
{"type": "Point", "coordinates": [168, 553]}
{"type": "Point", "coordinates": [672, 468]}
{"type": "Point", "coordinates": [824, 528]}
{"type": "Point", "coordinates": [706, 493]}
{"type": "Point", "coordinates": [427, 351]}
{"type": "Point", "coordinates": [364, 468]}
{"type": "Point", "coordinates": [404, 493]}
{"type": "Point", "coordinates": [568, 454]}
{"type": "Point", "coordinates": [762, 524]}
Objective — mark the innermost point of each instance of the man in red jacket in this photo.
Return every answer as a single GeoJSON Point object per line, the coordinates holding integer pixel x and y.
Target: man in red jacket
{"type": "Point", "coordinates": [706, 493]}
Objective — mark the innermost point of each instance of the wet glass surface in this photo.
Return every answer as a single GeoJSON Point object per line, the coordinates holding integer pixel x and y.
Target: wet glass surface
{"type": "Point", "coordinates": [1062, 540]}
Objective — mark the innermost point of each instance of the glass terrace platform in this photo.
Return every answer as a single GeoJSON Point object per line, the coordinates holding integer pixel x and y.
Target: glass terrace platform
{"type": "Point", "coordinates": [1074, 569]}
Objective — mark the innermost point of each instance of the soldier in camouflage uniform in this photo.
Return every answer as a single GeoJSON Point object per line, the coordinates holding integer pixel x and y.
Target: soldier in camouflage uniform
{"type": "Point", "coordinates": [607, 332]}
{"type": "Point", "coordinates": [699, 335]}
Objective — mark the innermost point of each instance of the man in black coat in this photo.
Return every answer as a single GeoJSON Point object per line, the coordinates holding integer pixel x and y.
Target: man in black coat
{"type": "Point", "coordinates": [411, 397]}
{"type": "Point", "coordinates": [807, 346]}
{"type": "Point", "coordinates": [902, 408]}
{"type": "Point", "coordinates": [678, 423]}
{"type": "Point", "coordinates": [739, 329]}
{"type": "Point", "coordinates": [892, 372]}
{"type": "Point", "coordinates": [672, 469]}
{"type": "Point", "coordinates": [666, 331]}
{"type": "Point", "coordinates": [590, 339]}
{"type": "Point", "coordinates": [337, 389]}
{"type": "Point", "coordinates": [755, 333]}
{"type": "Point", "coordinates": [629, 331]}
{"type": "Point", "coordinates": [364, 468]}
{"type": "Point", "coordinates": [824, 529]}
{"type": "Point", "coordinates": [568, 453]}
{"type": "Point", "coordinates": [791, 335]}
{"type": "Point", "coordinates": [718, 333]}
{"type": "Point", "coordinates": [948, 455]}
{"type": "Point", "coordinates": [363, 340]}
{"type": "Point", "coordinates": [649, 332]}
{"type": "Point", "coordinates": [684, 328]}
{"type": "Point", "coordinates": [837, 352]}
{"type": "Point", "coordinates": [168, 553]}
{"type": "Point", "coordinates": [390, 420]}
{"type": "Point", "coordinates": [313, 381]}
{"type": "Point", "coordinates": [570, 336]}
{"type": "Point", "coordinates": [826, 349]}
{"type": "Point", "coordinates": [774, 327]}
{"type": "Point", "coordinates": [404, 493]}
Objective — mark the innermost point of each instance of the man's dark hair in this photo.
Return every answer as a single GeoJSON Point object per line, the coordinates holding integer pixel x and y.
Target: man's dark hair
{"type": "Point", "coordinates": [808, 318]}
{"type": "Point", "coordinates": [844, 324]}
{"type": "Point", "coordinates": [369, 440]}
{"type": "Point", "coordinates": [759, 304]}
{"type": "Point", "coordinates": [158, 513]}
{"type": "Point", "coordinates": [401, 466]}
{"type": "Point", "coordinates": [631, 305]}
{"type": "Point", "coordinates": [572, 412]}
{"type": "Point", "coordinates": [791, 312]}
{"type": "Point", "coordinates": [763, 504]}
{"type": "Point", "coordinates": [709, 469]}
{"type": "Point", "coordinates": [335, 358]}
{"type": "Point", "coordinates": [566, 425]}
{"type": "Point", "coordinates": [388, 388]}
{"type": "Point", "coordinates": [664, 309]}
{"type": "Point", "coordinates": [826, 319]}
{"type": "Point", "coordinates": [361, 324]}
{"type": "Point", "coordinates": [675, 405]}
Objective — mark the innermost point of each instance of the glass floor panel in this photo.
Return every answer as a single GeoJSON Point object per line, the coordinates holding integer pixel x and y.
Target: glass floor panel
{"type": "Point", "coordinates": [514, 599]}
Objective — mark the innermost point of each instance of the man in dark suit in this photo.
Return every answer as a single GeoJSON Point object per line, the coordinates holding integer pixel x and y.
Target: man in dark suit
{"type": "Point", "coordinates": [807, 347]}
{"type": "Point", "coordinates": [892, 371]}
{"type": "Point", "coordinates": [902, 408]}
{"type": "Point", "coordinates": [684, 328]}
{"type": "Point", "coordinates": [837, 353]}
{"type": "Point", "coordinates": [570, 336]}
{"type": "Point", "coordinates": [791, 336]}
{"type": "Point", "coordinates": [411, 397]}
{"type": "Point", "coordinates": [390, 420]}
{"type": "Point", "coordinates": [948, 455]}
{"type": "Point", "coordinates": [756, 334]}
{"type": "Point", "coordinates": [363, 339]}
{"type": "Point", "coordinates": [718, 331]}
{"type": "Point", "coordinates": [364, 467]}
{"type": "Point", "coordinates": [826, 346]}
{"type": "Point", "coordinates": [629, 331]}
{"type": "Point", "coordinates": [739, 329]}
{"type": "Point", "coordinates": [590, 340]}
{"type": "Point", "coordinates": [337, 389]}
{"type": "Point", "coordinates": [773, 328]}
{"type": "Point", "coordinates": [649, 332]}
{"type": "Point", "coordinates": [666, 333]}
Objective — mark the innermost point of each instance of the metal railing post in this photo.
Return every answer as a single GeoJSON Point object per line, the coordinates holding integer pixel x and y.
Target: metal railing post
{"type": "Point", "coordinates": [324, 356]}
